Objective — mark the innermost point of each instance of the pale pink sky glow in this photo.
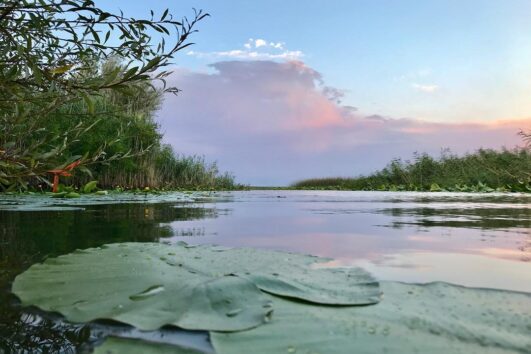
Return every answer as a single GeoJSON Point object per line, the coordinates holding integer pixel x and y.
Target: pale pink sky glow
{"type": "Point", "coordinates": [275, 122]}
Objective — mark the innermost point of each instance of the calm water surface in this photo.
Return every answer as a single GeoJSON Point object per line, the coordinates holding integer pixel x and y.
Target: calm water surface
{"type": "Point", "coordinates": [480, 240]}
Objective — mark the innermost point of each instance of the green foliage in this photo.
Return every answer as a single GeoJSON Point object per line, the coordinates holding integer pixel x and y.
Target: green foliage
{"type": "Point", "coordinates": [526, 137]}
{"type": "Point", "coordinates": [162, 168]}
{"type": "Point", "coordinates": [435, 188]}
{"type": "Point", "coordinates": [59, 195]}
{"type": "Point", "coordinates": [485, 170]}
{"type": "Point", "coordinates": [54, 85]}
{"type": "Point", "coordinates": [90, 187]}
{"type": "Point", "coordinates": [123, 127]}
{"type": "Point", "coordinates": [72, 195]}
{"type": "Point", "coordinates": [119, 127]}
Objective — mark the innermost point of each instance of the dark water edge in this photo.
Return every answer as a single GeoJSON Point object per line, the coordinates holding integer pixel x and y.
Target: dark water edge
{"type": "Point", "coordinates": [346, 226]}
{"type": "Point", "coordinates": [29, 237]}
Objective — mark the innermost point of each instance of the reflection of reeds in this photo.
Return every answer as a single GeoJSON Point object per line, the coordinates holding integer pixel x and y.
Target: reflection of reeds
{"type": "Point", "coordinates": [21, 331]}
{"type": "Point", "coordinates": [503, 219]}
{"type": "Point", "coordinates": [27, 237]}
{"type": "Point", "coordinates": [481, 171]}
{"type": "Point", "coordinates": [16, 253]}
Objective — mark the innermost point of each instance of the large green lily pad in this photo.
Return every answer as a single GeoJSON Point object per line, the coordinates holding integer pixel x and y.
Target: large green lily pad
{"type": "Point", "coordinates": [432, 318]}
{"type": "Point", "coordinates": [286, 274]}
{"type": "Point", "coordinates": [322, 286]}
{"type": "Point", "coordinates": [137, 285]}
{"type": "Point", "coordinates": [117, 345]}
{"type": "Point", "coordinates": [149, 285]}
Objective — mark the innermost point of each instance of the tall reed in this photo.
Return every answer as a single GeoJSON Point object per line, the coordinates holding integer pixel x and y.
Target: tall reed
{"type": "Point", "coordinates": [506, 169]}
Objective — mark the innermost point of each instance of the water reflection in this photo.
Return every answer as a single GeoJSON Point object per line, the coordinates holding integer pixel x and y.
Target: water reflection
{"type": "Point", "coordinates": [27, 237]}
{"type": "Point", "coordinates": [59, 232]}
{"type": "Point", "coordinates": [488, 217]}
{"type": "Point", "coordinates": [26, 332]}
{"type": "Point", "coordinates": [366, 225]}
{"type": "Point", "coordinates": [472, 270]}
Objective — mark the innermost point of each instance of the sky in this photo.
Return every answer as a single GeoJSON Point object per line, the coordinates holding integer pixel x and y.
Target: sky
{"type": "Point", "coordinates": [277, 91]}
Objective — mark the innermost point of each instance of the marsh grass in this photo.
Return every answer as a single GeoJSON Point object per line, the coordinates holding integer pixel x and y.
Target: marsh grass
{"type": "Point", "coordinates": [485, 170]}
{"type": "Point", "coordinates": [163, 169]}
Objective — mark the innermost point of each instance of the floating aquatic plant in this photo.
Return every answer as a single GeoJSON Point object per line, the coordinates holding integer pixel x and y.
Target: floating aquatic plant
{"type": "Point", "coordinates": [271, 302]}
{"type": "Point", "coordinates": [430, 318]}
{"type": "Point", "coordinates": [149, 285]}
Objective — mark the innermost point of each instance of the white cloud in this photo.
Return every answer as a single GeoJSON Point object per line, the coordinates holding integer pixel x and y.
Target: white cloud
{"type": "Point", "coordinates": [254, 55]}
{"type": "Point", "coordinates": [254, 49]}
{"type": "Point", "coordinates": [260, 43]}
{"type": "Point", "coordinates": [425, 88]}
{"type": "Point", "coordinates": [282, 115]}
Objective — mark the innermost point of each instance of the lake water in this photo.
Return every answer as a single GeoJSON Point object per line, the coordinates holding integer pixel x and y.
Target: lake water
{"type": "Point", "coordinates": [478, 240]}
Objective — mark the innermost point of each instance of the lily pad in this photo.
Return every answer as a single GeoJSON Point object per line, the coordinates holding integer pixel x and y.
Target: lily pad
{"type": "Point", "coordinates": [117, 345]}
{"type": "Point", "coordinates": [432, 318]}
{"type": "Point", "coordinates": [135, 284]}
{"type": "Point", "coordinates": [90, 187]}
{"type": "Point", "coordinates": [149, 285]}
{"type": "Point", "coordinates": [41, 201]}
{"type": "Point", "coordinates": [19, 208]}
{"type": "Point", "coordinates": [286, 274]}
{"type": "Point", "coordinates": [323, 286]}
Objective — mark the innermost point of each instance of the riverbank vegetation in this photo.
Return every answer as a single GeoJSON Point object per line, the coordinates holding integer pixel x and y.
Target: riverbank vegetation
{"type": "Point", "coordinates": [484, 170]}
{"type": "Point", "coordinates": [79, 88]}
{"type": "Point", "coordinates": [134, 155]}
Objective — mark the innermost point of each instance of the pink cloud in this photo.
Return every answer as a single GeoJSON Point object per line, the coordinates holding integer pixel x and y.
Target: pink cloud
{"type": "Point", "coordinates": [275, 122]}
